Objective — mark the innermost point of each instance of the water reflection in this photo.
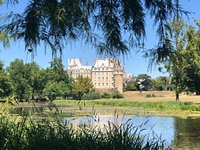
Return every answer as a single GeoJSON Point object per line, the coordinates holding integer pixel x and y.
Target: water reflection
{"type": "Point", "coordinates": [187, 133]}
{"type": "Point", "coordinates": [178, 133]}
{"type": "Point", "coordinates": [153, 125]}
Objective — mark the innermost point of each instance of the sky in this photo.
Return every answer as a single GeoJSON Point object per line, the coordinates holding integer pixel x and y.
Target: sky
{"type": "Point", "coordinates": [134, 63]}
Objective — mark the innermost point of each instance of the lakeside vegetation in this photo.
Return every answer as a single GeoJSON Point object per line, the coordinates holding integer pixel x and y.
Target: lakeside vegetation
{"type": "Point", "coordinates": [144, 105]}
{"type": "Point", "coordinates": [133, 103]}
{"type": "Point", "coordinates": [27, 134]}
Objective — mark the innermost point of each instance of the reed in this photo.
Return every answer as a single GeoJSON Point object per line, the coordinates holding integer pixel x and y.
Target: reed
{"type": "Point", "coordinates": [25, 134]}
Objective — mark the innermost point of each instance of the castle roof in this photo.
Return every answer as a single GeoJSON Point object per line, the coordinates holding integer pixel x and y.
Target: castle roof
{"type": "Point", "coordinates": [106, 63]}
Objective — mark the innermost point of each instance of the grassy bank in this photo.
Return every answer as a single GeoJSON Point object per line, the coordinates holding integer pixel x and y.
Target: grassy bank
{"type": "Point", "coordinates": [133, 103]}
{"type": "Point", "coordinates": [26, 134]}
{"type": "Point", "coordinates": [137, 103]}
{"type": "Point", "coordinates": [129, 104]}
{"type": "Point", "coordinates": [131, 107]}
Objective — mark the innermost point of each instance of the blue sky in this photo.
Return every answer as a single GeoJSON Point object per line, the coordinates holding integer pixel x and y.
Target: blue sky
{"type": "Point", "coordinates": [133, 64]}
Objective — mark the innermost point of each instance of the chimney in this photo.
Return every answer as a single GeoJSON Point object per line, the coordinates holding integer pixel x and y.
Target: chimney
{"type": "Point", "coordinates": [96, 60]}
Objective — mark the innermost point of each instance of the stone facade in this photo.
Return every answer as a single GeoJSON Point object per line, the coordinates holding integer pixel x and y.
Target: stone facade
{"type": "Point", "coordinates": [106, 75]}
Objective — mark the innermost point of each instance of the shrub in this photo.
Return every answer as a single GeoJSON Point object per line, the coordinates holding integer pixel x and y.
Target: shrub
{"type": "Point", "coordinates": [91, 96]}
{"type": "Point", "coordinates": [195, 107]}
{"type": "Point", "coordinates": [41, 99]}
{"type": "Point", "coordinates": [117, 95]}
{"type": "Point", "coordinates": [106, 95]}
{"type": "Point", "coordinates": [150, 95]}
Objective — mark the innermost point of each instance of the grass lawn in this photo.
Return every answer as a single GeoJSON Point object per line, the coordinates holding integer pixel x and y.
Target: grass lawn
{"type": "Point", "coordinates": [133, 103]}
{"type": "Point", "coordinates": [136, 103]}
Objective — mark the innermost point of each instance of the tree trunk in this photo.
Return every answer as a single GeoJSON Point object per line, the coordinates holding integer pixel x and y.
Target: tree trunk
{"type": "Point", "coordinates": [177, 96]}
{"type": "Point", "coordinates": [33, 95]}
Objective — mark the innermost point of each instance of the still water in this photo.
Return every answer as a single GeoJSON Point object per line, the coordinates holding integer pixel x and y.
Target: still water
{"type": "Point", "coordinates": [177, 132]}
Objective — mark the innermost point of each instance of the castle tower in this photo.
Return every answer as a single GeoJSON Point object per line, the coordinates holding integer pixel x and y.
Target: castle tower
{"type": "Point", "coordinates": [118, 76]}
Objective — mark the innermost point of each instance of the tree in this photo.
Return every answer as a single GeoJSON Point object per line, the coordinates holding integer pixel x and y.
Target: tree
{"type": "Point", "coordinates": [3, 37]}
{"type": "Point", "coordinates": [81, 86]}
{"type": "Point", "coordinates": [53, 89]}
{"type": "Point", "coordinates": [40, 81]}
{"type": "Point", "coordinates": [192, 58]}
{"type": "Point", "coordinates": [5, 83]}
{"type": "Point", "coordinates": [52, 22]}
{"type": "Point", "coordinates": [175, 63]}
{"type": "Point", "coordinates": [30, 74]}
{"type": "Point", "coordinates": [143, 82]}
{"type": "Point", "coordinates": [131, 86]}
{"type": "Point", "coordinates": [161, 83]}
{"type": "Point", "coordinates": [17, 73]}
{"type": "Point", "coordinates": [172, 51]}
{"type": "Point", "coordinates": [56, 72]}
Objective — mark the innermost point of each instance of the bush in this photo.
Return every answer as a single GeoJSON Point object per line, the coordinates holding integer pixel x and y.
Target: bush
{"type": "Point", "coordinates": [195, 107]}
{"type": "Point", "coordinates": [150, 95]}
{"type": "Point", "coordinates": [91, 96]}
{"type": "Point", "coordinates": [41, 99]}
{"type": "Point", "coordinates": [117, 95]}
{"type": "Point", "coordinates": [106, 95]}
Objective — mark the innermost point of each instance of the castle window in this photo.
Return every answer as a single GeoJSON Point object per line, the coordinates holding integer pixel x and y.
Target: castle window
{"type": "Point", "coordinates": [99, 84]}
{"type": "Point", "coordinates": [102, 78]}
{"type": "Point", "coordinates": [102, 68]}
{"type": "Point", "coordinates": [106, 84]}
{"type": "Point", "coordinates": [106, 78]}
{"type": "Point", "coordinates": [102, 84]}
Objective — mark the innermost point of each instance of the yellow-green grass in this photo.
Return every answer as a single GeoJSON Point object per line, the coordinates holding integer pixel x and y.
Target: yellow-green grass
{"type": "Point", "coordinates": [136, 103]}
{"type": "Point", "coordinates": [133, 103]}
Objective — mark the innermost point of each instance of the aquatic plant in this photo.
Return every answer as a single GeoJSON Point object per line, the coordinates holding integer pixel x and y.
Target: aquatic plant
{"type": "Point", "coordinates": [25, 133]}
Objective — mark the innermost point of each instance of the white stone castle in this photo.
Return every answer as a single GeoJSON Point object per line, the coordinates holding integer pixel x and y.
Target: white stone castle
{"type": "Point", "coordinates": [106, 75]}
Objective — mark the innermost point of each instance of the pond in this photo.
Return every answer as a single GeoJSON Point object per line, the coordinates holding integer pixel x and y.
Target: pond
{"type": "Point", "coordinates": [179, 133]}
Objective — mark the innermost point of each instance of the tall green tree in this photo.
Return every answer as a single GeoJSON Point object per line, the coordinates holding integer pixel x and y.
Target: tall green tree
{"type": "Point", "coordinates": [144, 82]}
{"type": "Point", "coordinates": [21, 86]}
{"type": "Point", "coordinates": [30, 74]}
{"type": "Point", "coordinates": [56, 71]}
{"type": "Point", "coordinates": [175, 65]}
{"type": "Point", "coordinates": [173, 54]}
{"type": "Point", "coordinates": [192, 58]}
{"type": "Point", "coordinates": [54, 89]}
{"type": "Point", "coordinates": [5, 83]}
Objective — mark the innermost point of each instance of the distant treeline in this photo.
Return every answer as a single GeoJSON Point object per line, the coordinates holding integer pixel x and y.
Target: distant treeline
{"type": "Point", "coordinates": [28, 81]}
{"type": "Point", "coordinates": [144, 82]}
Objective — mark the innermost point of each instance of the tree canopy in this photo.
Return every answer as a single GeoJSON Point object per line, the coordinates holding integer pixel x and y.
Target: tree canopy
{"type": "Point", "coordinates": [56, 22]}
